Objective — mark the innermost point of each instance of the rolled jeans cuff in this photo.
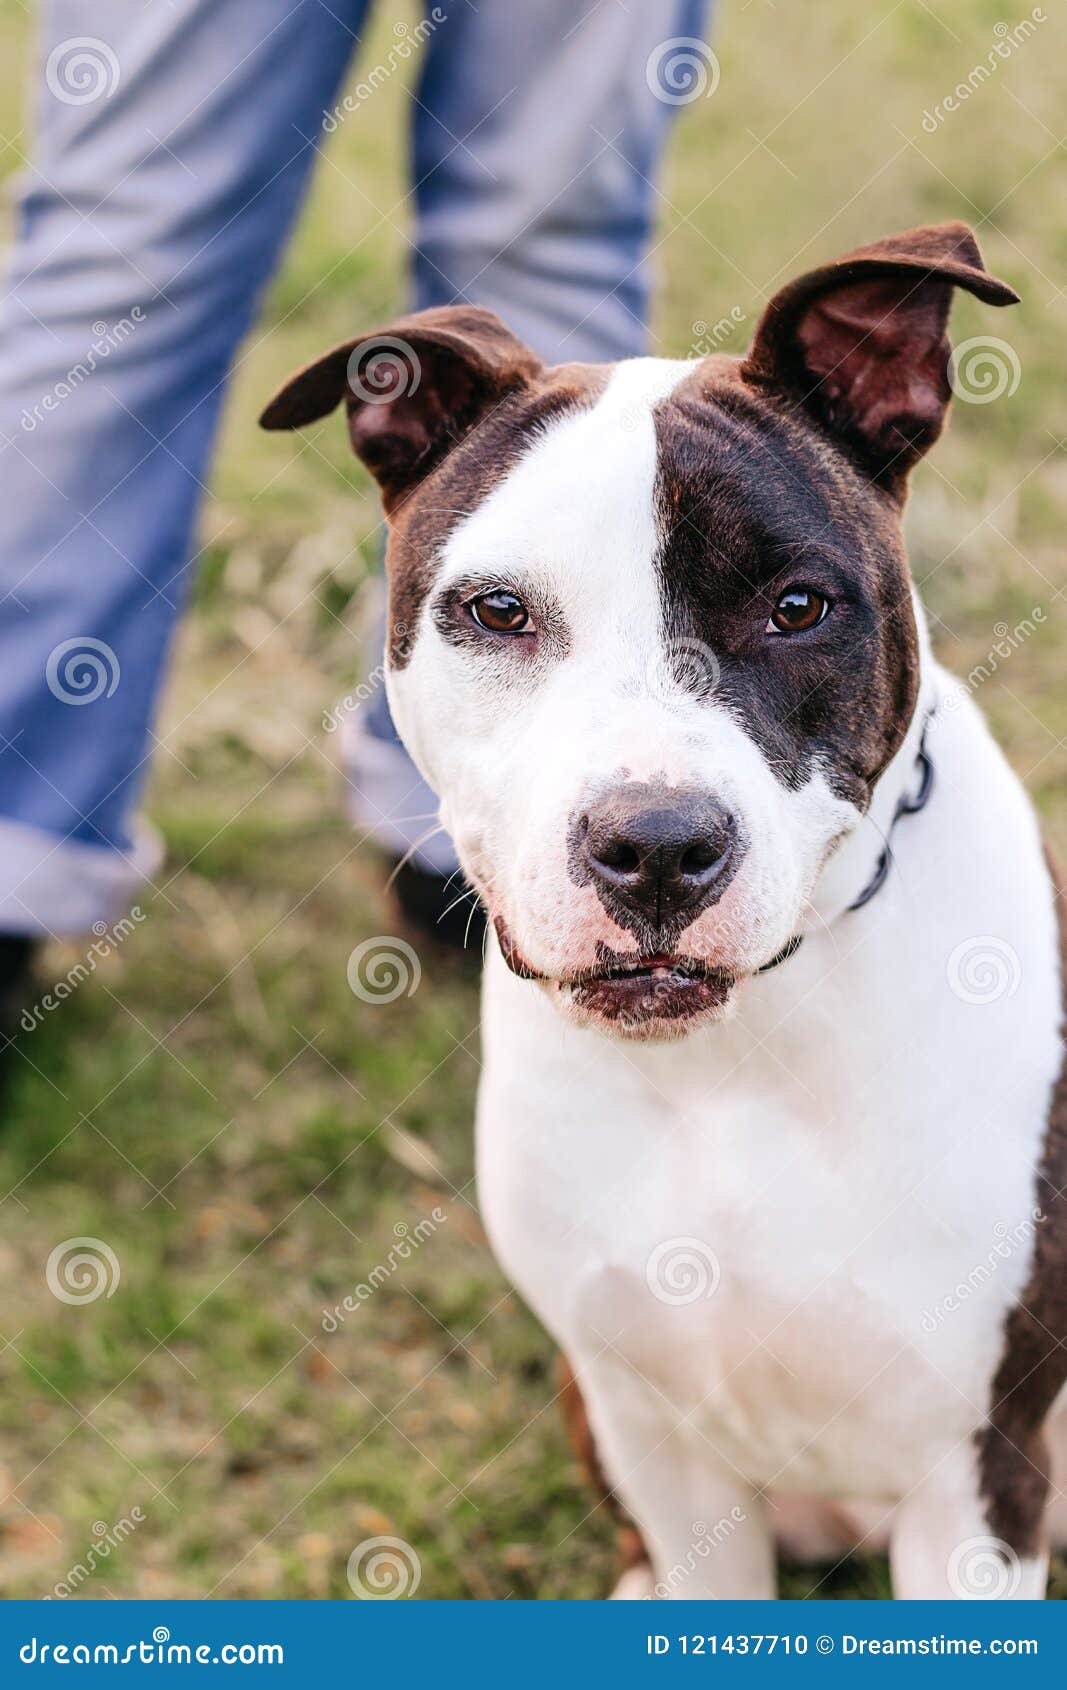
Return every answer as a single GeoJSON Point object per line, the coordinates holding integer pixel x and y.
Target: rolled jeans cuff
{"type": "Point", "coordinates": [56, 888]}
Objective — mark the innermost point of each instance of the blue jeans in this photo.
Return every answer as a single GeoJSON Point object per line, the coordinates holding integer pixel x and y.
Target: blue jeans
{"type": "Point", "coordinates": [174, 143]}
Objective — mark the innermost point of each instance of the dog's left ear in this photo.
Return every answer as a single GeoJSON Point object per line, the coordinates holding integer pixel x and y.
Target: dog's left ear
{"type": "Point", "coordinates": [861, 343]}
{"type": "Point", "coordinates": [412, 391]}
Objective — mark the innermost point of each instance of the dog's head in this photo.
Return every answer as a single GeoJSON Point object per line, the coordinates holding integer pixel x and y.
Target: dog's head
{"type": "Point", "coordinates": [653, 637]}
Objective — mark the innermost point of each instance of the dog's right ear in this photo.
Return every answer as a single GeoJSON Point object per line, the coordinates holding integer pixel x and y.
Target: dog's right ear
{"type": "Point", "coordinates": [412, 390]}
{"type": "Point", "coordinates": [861, 344]}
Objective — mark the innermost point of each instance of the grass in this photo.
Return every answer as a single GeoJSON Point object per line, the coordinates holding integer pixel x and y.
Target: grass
{"type": "Point", "coordinates": [250, 1139]}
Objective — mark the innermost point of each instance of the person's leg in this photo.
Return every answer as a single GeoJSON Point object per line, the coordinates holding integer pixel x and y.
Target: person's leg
{"type": "Point", "coordinates": [173, 143]}
{"type": "Point", "coordinates": [538, 138]}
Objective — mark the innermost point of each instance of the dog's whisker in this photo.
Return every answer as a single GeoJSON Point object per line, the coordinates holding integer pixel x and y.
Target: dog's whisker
{"type": "Point", "coordinates": [424, 839]}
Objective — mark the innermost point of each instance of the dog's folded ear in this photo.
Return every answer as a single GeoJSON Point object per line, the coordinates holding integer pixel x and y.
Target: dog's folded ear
{"type": "Point", "coordinates": [861, 343]}
{"type": "Point", "coordinates": [412, 391]}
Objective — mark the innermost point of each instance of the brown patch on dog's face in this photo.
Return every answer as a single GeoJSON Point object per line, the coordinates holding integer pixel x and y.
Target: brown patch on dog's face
{"type": "Point", "coordinates": [754, 500]}
{"type": "Point", "coordinates": [789, 470]}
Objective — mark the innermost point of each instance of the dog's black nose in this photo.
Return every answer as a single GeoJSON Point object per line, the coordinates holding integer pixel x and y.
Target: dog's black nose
{"type": "Point", "coordinates": [658, 853]}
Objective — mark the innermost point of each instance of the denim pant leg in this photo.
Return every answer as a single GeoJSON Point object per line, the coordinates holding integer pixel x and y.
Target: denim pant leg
{"type": "Point", "coordinates": [169, 165]}
{"type": "Point", "coordinates": [538, 136]}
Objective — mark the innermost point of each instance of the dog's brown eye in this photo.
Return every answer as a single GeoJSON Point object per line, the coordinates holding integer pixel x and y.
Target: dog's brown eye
{"type": "Point", "coordinates": [798, 609]}
{"type": "Point", "coordinates": [500, 612]}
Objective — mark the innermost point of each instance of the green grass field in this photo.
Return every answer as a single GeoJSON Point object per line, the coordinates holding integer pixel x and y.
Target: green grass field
{"type": "Point", "coordinates": [247, 1136]}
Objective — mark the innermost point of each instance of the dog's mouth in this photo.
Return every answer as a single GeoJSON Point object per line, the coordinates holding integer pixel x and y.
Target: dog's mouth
{"type": "Point", "coordinates": [649, 990]}
{"type": "Point", "coordinates": [633, 994]}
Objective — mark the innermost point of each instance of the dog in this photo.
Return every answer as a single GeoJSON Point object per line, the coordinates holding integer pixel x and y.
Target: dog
{"type": "Point", "coordinates": [772, 1128]}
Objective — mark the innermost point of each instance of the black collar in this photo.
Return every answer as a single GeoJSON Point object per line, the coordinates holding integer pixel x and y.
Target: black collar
{"type": "Point", "coordinates": [908, 805]}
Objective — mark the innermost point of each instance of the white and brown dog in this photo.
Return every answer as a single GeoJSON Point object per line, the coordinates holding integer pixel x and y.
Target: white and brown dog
{"type": "Point", "coordinates": [772, 1132]}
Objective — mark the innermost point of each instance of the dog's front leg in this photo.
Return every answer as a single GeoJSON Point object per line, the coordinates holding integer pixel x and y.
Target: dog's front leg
{"type": "Point", "coordinates": [942, 1544]}
{"type": "Point", "coordinates": [704, 1527]}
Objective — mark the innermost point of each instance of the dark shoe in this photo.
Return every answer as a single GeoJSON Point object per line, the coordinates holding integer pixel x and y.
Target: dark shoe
{"type": "Point", "coordinates": [446, 911]}
{"type": "Point", "coordinates": [17, 954]}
